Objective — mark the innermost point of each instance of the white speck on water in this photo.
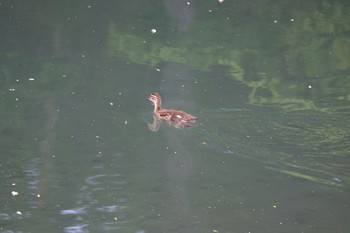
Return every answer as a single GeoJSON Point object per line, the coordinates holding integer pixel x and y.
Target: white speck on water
{"type": "Point", "coordinates": [31, 79]}
{"type": "Point", "coordinates": [126, 122]}
{"type": "Point", "coordinates": [12, 89]}
{"type": "Point", "coordinates": [275, 21]}
{"type": "Point", "coordinates": [14, 193]}
{"type": "Point", "coordinates": [309, 86]}
{"type": "Point", "coordinates": [140, 231]}
{"type": "Point", "coordinates": [111, 103]}
{"type": "Point", "coordinates": [153, 30]}
{"type": "Point", "coordinates": [292, 20]}
{"type": "Point", "coordinates": [336, 179]}
{"type": "Point", "coordinates": [188, 3]}
{"type": "Point", "coordinates": [18, 212]}
{"type": "Point", "coordinates": [157, 69]}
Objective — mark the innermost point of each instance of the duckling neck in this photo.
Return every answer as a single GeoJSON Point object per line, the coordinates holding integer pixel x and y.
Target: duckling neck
{"type": "Point", "coordinates": [157, 106]}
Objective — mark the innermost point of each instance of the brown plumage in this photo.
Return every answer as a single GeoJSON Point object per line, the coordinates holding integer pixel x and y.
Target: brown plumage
{"type": "Point", "coordinates": [168, 114]}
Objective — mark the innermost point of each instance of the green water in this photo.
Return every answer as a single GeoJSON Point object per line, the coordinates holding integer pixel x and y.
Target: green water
{"type": "Point", "coordinates": [269, 81]}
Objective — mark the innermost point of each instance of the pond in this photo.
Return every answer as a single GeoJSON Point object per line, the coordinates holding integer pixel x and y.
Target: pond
{"type": "Point", "coordinates": [81, 151]}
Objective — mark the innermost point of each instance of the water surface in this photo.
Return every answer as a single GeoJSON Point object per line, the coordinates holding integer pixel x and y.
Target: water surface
{"type": "Point", "coordinates": [269, 81]}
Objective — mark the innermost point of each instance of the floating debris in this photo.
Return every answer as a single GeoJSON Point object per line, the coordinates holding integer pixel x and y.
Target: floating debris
{"type": "Point", "coordinates": [14, 193]}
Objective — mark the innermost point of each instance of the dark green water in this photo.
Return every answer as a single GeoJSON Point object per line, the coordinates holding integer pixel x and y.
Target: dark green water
{"type": "Point", "coordinates": [269, 81]}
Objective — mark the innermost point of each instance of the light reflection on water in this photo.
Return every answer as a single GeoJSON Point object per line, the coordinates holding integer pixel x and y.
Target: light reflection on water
{"type": "Point", "coordinates": [89, 200]}
{"type": "Point", "coordinates": [82, 160]}
{"type": "Point", "coordinates": [275, 140]}
{"type": "Point", "coordinates": [242, 172]}
{"type": "Point", "coordinates": [218, 176]}
{"type": "Point", "coordinates": [211, 176]}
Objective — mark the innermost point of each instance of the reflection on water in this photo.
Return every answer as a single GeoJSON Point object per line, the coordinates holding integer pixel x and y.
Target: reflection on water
{"type": "Point", "coordinates": [155, 125]}
{"type": "Point", "coordinates": [80, 218]}
{"type": "Point", "coordinates": [289, 142]}
{"type": "Point", "coordinates": [269, 153]}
